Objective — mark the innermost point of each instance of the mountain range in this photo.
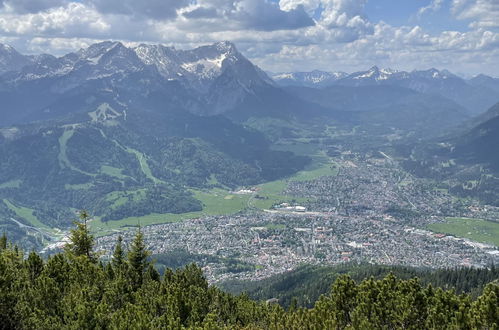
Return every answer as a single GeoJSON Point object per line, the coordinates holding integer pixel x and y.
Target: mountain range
{"type": "Point", "coordinates": [476, 94]}
{"type": "Point", "coordinates": [207, 80]}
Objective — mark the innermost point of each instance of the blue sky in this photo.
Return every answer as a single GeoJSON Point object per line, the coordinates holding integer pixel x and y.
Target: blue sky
{"type": "Point", "coordinates": [403, 12]}
{"type": "Point", "coordinates": [278, 35]}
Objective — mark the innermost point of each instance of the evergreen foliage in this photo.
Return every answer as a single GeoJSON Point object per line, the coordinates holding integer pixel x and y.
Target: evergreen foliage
{"type": "Point", "coordinates": [304, 285]}
{"type": "Point", "coordinates": [71, 290]}
{"type": "Point", "coordinates": [81, 241]}
{"type": "Point", "coordinates": [118, 254]}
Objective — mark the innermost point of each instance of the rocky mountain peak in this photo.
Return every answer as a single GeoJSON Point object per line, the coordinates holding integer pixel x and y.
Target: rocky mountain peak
{"type": "Point", "coordinates": [11, 60]}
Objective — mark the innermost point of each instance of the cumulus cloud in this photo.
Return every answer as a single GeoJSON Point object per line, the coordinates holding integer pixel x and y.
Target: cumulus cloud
{"type": "Point", "coordinates": [259, 15]}
{"type": "Point", "coordinates": [73, 20]}
{"type": "Point", "coordinates": [346, 17]}
{"type": "Point", "coordinates": [155, 9]}
{"type": "Point", "coordinates": [482, 13]}
{"type": "Point", "coordinates": [58, 45]}
{"type": "Point", "coordinates": [309, 5]}
{"type": "Point", "coordinates": [262, 15]}
{"type": "Point", "coordinates": [201, 12]}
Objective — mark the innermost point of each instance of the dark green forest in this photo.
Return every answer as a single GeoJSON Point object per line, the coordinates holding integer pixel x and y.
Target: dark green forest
{"type": "Point", "coordinates": [74, 289]}
{"type": "Point", "coordinates": [304, 285]}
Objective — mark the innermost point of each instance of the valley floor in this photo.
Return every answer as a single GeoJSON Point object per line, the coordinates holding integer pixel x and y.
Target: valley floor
{"type": "Point", "coordinates": [366, 209]}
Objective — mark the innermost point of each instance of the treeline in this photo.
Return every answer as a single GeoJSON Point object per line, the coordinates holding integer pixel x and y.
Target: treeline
{"type": "Point", "coordinates": [74, 290]}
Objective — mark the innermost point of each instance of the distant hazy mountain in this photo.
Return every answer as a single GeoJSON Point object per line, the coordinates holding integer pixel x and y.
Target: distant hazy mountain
{"type": "Point", "coordinates": [476, 99]}
{"type": "Point", "coordinates": [11, 60]}
{"type": "Point", "coordinates": [476, 94]}
{"type": "Point", "coordinates": [389, 106]}
{"type": "Point", "coordinates": [373, 76]}
{"type": "Point", "coordinates": [482, 80]}
{"type": "Point", "coordinates": [467, 160]}
{"type": "Point", "coordinates": [481, 143]}
{"type": "Point", "coordinates": [314, 78]}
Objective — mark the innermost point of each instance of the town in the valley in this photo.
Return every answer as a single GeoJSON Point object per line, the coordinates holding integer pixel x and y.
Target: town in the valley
{"type": "Point", "coordinates": [371, 211]}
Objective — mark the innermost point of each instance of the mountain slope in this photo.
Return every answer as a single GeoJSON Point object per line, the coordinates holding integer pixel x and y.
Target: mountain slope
{"type": "Point", "coordinates": [11, 60]}
{"type": "Point", "coordinates": [482, 80]}
{"type": "Point", "coordinates": [466, 161]}
{"type": "Point", "coordinates": [208, 80]}
{"type": "Point", "coordinates": [480, 144]}
{"type": "Point", "coordinates": [388, 106]}
{"type": "Point", "coordinates": [120, 162]}
{"type": "Point", "coordinates": [476, 99]}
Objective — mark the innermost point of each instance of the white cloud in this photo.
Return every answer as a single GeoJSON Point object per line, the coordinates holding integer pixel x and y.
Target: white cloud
{"type": "Point", "coordinates": [58, 46]}
{"type": "Point", "coordinates": [341, 38]}
{"type": "Point", "coordinates": [154, 9]}
{"type": "Point", "coordinates": [435, 5]}
{"type": "Point", "coordinates": [73, 20]}
{"type": "Point", "coordinates": [259, 15]}
{"type": "Point", "coordinates": [309, 5]}
{"type": "Point", "coordinates": [482, 13]}
{"type": "Point", "coordinates": [405, 48]}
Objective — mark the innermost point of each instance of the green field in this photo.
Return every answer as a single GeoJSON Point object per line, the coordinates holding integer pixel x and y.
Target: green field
{"type": "Point", "coordinates": [26, 214]}
{"type": "Point", "coordinates": [215, 202]}
{"type": "Point", "coordinates": [219, 201]}
{"type": "Point", "coordinates": [119, 198]}
{"type": "Point", "coordinates": [63, 157]}
{"type": "Point", "coordinates": [143, 164]}
{"type": "Point", "coordinates": [113, 171]}
{"type": "Point", "coordinates": [275, 226]}
{"type": "Point", "coordinates": [222, 202]}
{"type": "Point", "coordinates": [11, 184]}
{"type": "Point", "coordinates": [475, 229]}
{"type": "Point", "coordinates": [321, 165]}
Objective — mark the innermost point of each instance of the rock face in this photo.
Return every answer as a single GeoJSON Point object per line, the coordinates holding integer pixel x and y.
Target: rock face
{"type": "Point", "coordinates": [208, 80]}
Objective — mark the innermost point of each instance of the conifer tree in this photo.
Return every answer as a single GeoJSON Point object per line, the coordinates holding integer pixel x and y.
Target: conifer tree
{"type": "Point", "coordinates": [35, 265]}
{"type": "Point", "coordinates": [137, 259]}
{"type": "Point", "coordinates": [81, 242]}
{"type": "Point", "coordinates": [118, 254]}
{"type": "Point", "coordinates": [3, 241]}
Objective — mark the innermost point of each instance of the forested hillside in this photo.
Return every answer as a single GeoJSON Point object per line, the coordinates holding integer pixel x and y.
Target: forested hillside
{"type": "Point", "coordinates": [304, 286]}
{"type": "Point", "coordinates": [467, 159]}
{"type": "Point", "coordinates": [74, 290]}
{"type": "Point", "coordinates": [123, 163]}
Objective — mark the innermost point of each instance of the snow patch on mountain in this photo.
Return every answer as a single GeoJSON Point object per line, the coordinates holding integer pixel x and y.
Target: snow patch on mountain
{"type": "Point", "coordinates": [312, 79]}
{"type": "Point", "coordinates": [206, 67]}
